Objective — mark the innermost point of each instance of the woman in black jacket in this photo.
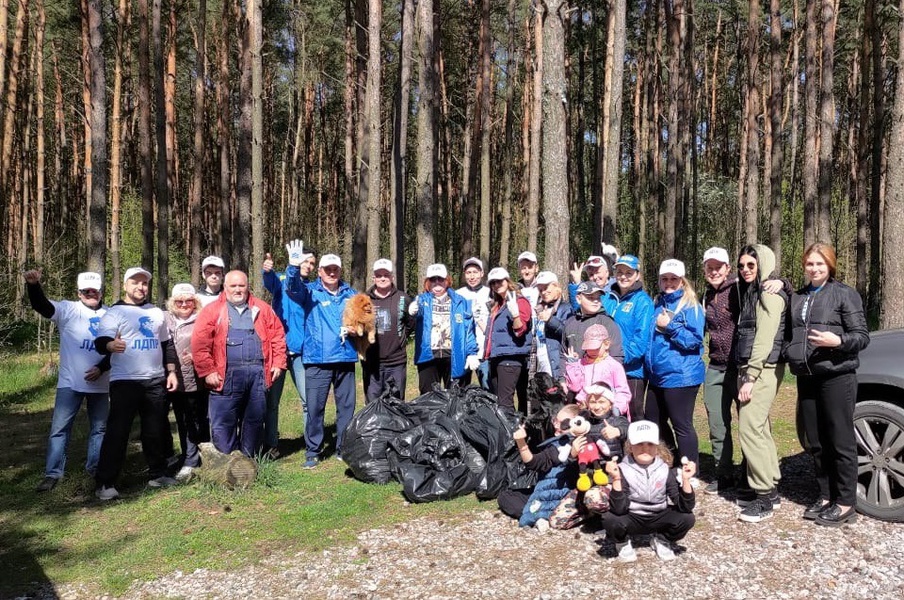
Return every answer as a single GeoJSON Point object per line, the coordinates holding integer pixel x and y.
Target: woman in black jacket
{"type": "Point", "coordinates": [827, 332]}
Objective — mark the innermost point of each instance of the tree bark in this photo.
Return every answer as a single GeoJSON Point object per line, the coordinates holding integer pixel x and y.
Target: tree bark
{"type": "Point", "coordinates": [826, 122]}
{"type": "Point", "coordinates": [426, 138]}
{"type": "Point", "coordinates": [751, 186]}
{"type": "Point", "coordinates": [258, 217]}
{"type": "Point", "coordinates": [144, 135]}
{"type": "Point", "coordinates": [241, 249]}
{"type": "Point", "coordinates": [400, 144]}
{"type": "Point", "coordinates": [97, 206]}
{"type": "Point", "coordinates": [40, 145]}
{"type": "Point", "coordinates": [612, 117]}
{"type": "Point", "coordinates": [811, 126]}
{"type": "Point", "coordinates": [161, 277]}
{"type": "Point", "coordinates": [555, 160]}
{"type": "Point", "coordinates": [486, 107]}
{"type": "Point", "coordinates": [198, 162]}
{"type": "Point", "coordinates": [536, 128]}
{"type": "Point", "coordinates": [116, 138]}
{"type": "Point", "coordinates": [776, 100]}
{"type": "Point", "coordinates": [892, 314]}
{"type": "Point", "coordinates": [876, 170]}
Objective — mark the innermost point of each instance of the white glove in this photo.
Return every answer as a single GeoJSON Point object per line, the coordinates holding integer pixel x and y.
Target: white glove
{"type": "Point", "coordinates": [472, 363]}
{"type": "Point", "coordinates": [413, 308]}
{"type": "Point", "coordinates": [295, 248]}
{"type": "Point", "coordinates": [343, 333]}
{"type": "Point", "coordinates": [511, 302]}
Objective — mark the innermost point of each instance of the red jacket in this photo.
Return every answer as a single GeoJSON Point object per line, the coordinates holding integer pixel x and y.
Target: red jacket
{"type": "Point", "coordinates": [208, 340]}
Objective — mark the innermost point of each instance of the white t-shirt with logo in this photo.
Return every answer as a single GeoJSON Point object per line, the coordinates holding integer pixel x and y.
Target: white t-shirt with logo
{"type": "Point", "coordinates": [78, 327]}
{"type": "Point", "coordinates": [143, 329]}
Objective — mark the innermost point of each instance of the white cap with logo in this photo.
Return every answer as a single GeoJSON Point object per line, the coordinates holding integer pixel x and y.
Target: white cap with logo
{"type": "Point", "coordinates": [382, 264]}
{"type": "Point", "coordinates": [437, 270]}
{"type": "Point", "coordinates": [672, 266]}
{"type": "Point", "coordinates": [330, 260]}
{"type": "Point", "coordinates": [497, 274]}
{"type": "Point", "coordinates": [640, 432]}
{"type": "Point", "coordinates": [135, 272]}
{"type": "Point", "coordinates": [528, 256]}
{"type": "Point", "coordinates": [546, 277]}
{"type": "Point", "coordinates": [89, 280]}
{"type": "Point", "coordinates": [213, 261]}
{"type": "Point", "coordinates": [717, 253]}
{"type": "Point", "coordinates": [183, 289]}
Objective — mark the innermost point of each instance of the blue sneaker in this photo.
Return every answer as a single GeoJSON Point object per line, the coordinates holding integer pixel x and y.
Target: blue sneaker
{"type": "Point", "coordinates": [311, 463]}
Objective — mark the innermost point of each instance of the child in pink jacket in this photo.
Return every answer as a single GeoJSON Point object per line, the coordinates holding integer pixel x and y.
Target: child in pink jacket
{"type": "Point", "coordinates": [596, 365]}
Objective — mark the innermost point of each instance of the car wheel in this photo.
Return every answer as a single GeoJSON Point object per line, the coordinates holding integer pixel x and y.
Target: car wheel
{"type": "Point", "coordinates": [879, 429]}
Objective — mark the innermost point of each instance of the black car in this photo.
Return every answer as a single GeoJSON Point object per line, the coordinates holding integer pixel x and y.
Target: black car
{"type": "Point", "coordinates": [879, 426]}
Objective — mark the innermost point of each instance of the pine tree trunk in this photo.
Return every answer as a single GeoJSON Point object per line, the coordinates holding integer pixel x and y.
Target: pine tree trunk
{"type": "Point", "coordinates": [258, 218]}
{"type": "Point", "coordinates": [97, 207]}
{"type": "Point", "coordinates": [776, 100]}
{"type": "Point", "coordinates": [400, 145]}
{"type": "Point", "coordinates": [144, 135]}
{"type": "Point", "coordinates": [161, 276]}
{"type": "Point", "coordinates": [860, 153]}
{"type": "Point", "coordinates": [612, 116]}
{"type": "Point", "coordinates": [536, 129]}
{"type": "Point", "coordinates": [224, 133]}
{"type": "Point", "coordinates": [826, 122]}
{"type": "Point", "coordinates": [40, 145]}
{"type": "Point", "coordinates": [751, 187]}
{"type": "Point", "coordinates": [15, 68]}
{"type": "Point", "coordinates": [555, 160]}
{"type": "Point", "coordinates": [892, 314]}
{"type": "Point", "coordinates": [122, 19]}
{"type": "Point", "coordinates": [426, 138]}
{"type": "Point", "coordinates": [241, 249]}
{"type": "Point", "coordinates": [811, 126]}
{"type": "Point", "coordinates": [198, 162]}
{"type": "Point", "coordinates": [876, 167]}
{"type": "Point", "coordinates": [486, 107]}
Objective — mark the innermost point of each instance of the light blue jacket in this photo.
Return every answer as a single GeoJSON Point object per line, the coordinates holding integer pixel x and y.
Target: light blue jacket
{"type": "Point", "coordinates": [292, 314]}
{"type": "Point", "coordinates": [675, 356]}
{"type": "Point", "coordinates": [322, 344]}
{"type": "Point", "coordinates": [633, 313]}
{"type": "Point", "coordinates": [464, 343]}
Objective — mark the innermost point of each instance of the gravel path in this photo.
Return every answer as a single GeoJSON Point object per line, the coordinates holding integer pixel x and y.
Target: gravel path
{"type": "Point", "coordinates": [485, 555]}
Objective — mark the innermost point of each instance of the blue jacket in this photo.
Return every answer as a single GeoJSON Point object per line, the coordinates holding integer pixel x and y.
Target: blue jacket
{"type": "Point", "coordinates": [675, 356]}
{"type": "Point", "coordinates": [633, 312]}
{"type": "Point", "coordinates": [292, 314]}
{"type": "Point", "coordinates": [501, 338]}
{"type": "Point", "coordinates": [322, 344]}
{"type": "Point", "coordinates": [546, 496]}
{"type": "Point", "coordinates": [464, 343]}
{"type": "Point", "coordinates": [554, 342]}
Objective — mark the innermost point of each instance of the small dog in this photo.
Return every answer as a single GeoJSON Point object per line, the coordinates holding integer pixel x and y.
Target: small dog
{"type": "Point", "coordinates": [358, 317]}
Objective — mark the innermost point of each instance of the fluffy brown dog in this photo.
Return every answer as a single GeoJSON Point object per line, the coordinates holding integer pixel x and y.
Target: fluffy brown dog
{"type": "Point", "coordinates": [358, 317]}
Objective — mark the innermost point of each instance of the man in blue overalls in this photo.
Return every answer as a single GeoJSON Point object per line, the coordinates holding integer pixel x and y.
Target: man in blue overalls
{"type": "Point", "coordinates": [238, 347]}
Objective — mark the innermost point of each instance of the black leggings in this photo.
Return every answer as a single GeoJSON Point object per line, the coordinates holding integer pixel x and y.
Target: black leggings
{"type": "Point", "coordinates": [508, 375]}
{"type": "Point", "coordinates": [675, 405]}
{"type": "Point", "coordinates": [438, 370]}
{"type": "Point", "coordinates": [638, 389]}
{"type": "Point", "coordinates": [669, 523]}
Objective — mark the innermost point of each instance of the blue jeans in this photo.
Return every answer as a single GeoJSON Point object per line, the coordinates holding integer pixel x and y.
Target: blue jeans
{"type": "Point", "coordinates": [65, 409]}
{"type": "Point", "coordinates": [238, 409]}
{"type": "Point", "coordinates": [274, 394]}
{"type": "Point", "coordinates": [318, 379]}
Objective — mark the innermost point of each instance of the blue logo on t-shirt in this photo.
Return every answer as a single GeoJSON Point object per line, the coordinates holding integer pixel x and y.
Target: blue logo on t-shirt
{"type": "Point", "coordinates": [93, 323]}
{"type": "Point", "coordinates": [143, 327]}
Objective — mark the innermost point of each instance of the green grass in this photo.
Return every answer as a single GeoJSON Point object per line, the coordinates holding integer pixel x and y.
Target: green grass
{"type": "Point", "coordinates": [66, 536]}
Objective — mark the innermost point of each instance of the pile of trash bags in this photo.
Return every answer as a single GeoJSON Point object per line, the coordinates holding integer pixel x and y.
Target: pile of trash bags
{"type": "Point", "coordinates": [444, 444]}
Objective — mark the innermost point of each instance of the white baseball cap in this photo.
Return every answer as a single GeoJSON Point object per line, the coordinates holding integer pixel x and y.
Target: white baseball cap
{"type": "Point", "coordinates": [528, 256]}
{"type": "Point", "coordinates": [134, 272]}
{"type": "Point", "coordinates": [546, 277]}
{"type": "Point", "coordinates": [213, 261]}
{"type": "Point", "coordinates": [183, 289]}
{"type": "Point", "coordinates": [672, 266]}
{"type": "Point", "coordinates": [473, 261]}
{"type": "Point", "coordinates": [717, 253]}
{"type": "Point", "coordinates": [89, 280]}
{"type": "Point", "coordinates": [330, 260]}
{"type": "Point", "coordinates": [436, 270]}
{"type": "Point", "coordinates": [643, 431]}
{"type": "Point", "coordinates": [383, 264]}
{"type": "Point", "coordinates": [497, 274]}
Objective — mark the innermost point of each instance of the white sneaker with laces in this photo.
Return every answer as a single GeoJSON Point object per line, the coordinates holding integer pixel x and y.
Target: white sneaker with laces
{"type": "Point", "coordinates": [662, 548]}
{"type": "Point", "coordinates": [184, 474]}
{"type": "Point", "coordinates": [626, 552]}
{"type": "Point", "coordinates": [542, 526]}
{"type": "Point", "coordinates": [106, 493]}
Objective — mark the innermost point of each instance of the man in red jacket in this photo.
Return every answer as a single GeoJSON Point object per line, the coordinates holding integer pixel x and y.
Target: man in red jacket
{"type": "Point", "coordinates": [238, 347]}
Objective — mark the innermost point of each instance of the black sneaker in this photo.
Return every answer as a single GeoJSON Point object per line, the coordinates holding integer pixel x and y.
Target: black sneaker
{"type": "Point", "coordinates": [47, 484]}
{"type": "Point", "coordinates": [719, 486]}
{"type": "Point", "coordinates": [745, 498]}
{"type": "Point", "coordinates": [758, 510]}
{"type": "Point", "coordinates": [813, 511]}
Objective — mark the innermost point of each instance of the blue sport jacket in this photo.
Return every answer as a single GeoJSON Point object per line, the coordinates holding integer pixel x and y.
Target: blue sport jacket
{"type": "Point", "coordinates": [322, 344]}
{"type": "Point", "coordinates": [464, 343]}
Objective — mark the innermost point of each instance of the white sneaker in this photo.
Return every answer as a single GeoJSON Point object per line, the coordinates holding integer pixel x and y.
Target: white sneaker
{"type": "Point", "coordinates": [662, 547]}
{"type": "Point", "coordinates": [626, 552]}
{"type": "Point", "coordinates": [106, 493]}
{"type": "Point", "coordinates": [162, 481]}
{"type": "Point", "coordinates": [542, 526]}
{"type": "Point", "coordinates": [184, 474]}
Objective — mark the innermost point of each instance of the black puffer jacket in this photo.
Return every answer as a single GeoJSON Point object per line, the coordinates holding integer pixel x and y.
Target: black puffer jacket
{"type": "Point", "coordinates": [837, 308]}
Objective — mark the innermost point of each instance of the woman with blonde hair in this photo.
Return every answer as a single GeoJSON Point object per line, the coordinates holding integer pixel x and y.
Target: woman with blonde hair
{"type": "Point", "coordinates": [674, 360]}
{"type": "Point", "coordinates": [190, 399]}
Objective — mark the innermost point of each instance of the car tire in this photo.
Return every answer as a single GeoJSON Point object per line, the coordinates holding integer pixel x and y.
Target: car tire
{"type": "Point", "coordinates": [879, 429]}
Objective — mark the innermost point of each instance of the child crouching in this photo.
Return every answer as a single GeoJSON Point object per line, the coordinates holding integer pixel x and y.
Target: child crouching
{"type": "Point", "coordinates": [646, 497]}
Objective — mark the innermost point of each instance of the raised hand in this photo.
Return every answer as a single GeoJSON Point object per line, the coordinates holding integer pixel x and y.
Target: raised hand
{"type": "Point", "coordinates": [33, 276]}
{"type": "Point", "coordinates": [268, 263]}
{"type": "Point", "coordinates": [295, 249]}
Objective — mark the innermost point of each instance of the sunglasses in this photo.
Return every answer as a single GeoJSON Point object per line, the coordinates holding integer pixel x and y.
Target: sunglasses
{"type": "Point", "coordinates": [436, 279]}
{"type": "Point", "coordinates": [750, 265]}
{"type": "Point", "coordinates": [89, 291]}
{"type": "Point", "coordinates": [183, 302]}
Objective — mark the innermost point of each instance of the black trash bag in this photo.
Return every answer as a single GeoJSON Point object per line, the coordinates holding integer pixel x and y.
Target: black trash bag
{"type": "Point", "coordinates": [429, 461]}
{"type": "Point", "coordinates": [428, 405]}
{"type": "Point", "coordinates": [369, 433]}
{"type": "Point", "coordinates": [489, 429]}
{"type": "Point", "coordinates": [546, 398]}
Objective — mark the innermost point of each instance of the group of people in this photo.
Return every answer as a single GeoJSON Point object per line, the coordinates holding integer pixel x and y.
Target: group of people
{"type": "Point", "coordinates": [219, 356]}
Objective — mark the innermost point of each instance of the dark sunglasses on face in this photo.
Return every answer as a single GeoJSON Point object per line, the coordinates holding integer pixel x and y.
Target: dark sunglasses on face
{"type": "Point", "coordinates": [88, 292]}
{"type": "Point", "coordinates": [750, 265]}
{"type": "Point", "coordinates": [184, 302]}
{"type": "Point", "coordinates": [436, 279]}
